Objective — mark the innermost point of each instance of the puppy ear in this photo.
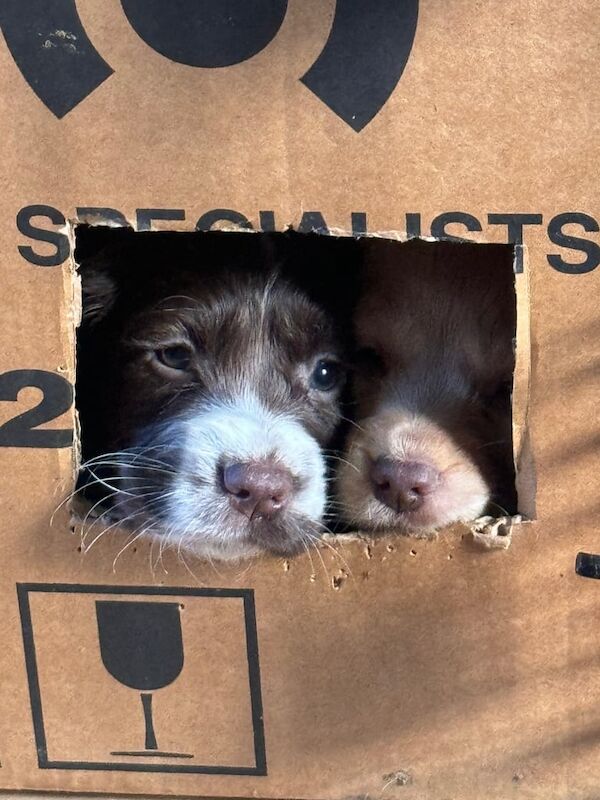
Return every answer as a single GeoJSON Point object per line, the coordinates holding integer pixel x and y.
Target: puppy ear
{"type": "Point", "coordinates": [99, 289]}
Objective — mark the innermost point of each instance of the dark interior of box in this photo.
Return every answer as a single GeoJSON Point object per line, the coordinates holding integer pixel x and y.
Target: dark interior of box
{"type": "Point", "coordinates": [328, 270]}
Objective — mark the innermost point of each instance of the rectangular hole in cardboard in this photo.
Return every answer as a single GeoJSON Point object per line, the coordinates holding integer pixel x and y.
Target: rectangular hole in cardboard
{"type": "Point", "coordinates": [122, 270]}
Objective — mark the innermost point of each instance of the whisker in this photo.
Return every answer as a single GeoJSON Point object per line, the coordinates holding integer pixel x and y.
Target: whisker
{"type": "Point", "coordinates": [114, 504]}
{"type": "Point", "coordinates": [131, 454]}
{"type": "Point", "coordinates": [161, 546]}
{"type": "Point", "coordinates": [190, 571]}
{"type": "Point", "coordinates": [120, 523]}
{"type": "Point", "coordinates": [336, 553]}
{"type": "Point", "coordinates": [129, 466]}
{"type": "Point", "coordinates": [99, 502]}
{"type": "Point", "coordinates": [308, 553]}
{"type": "Point", "coordinates": [490, 444]}
{"type": "Point", "coordinates": [352, 422]}
{"type": "Point", "coordinates": [497, 505]}
{"type": "Point", "coordinates": [311, 540]}
{"type": "Point", "coordinates": [344, 461]}
{"type": "Point", "coordinates": [130, 542]}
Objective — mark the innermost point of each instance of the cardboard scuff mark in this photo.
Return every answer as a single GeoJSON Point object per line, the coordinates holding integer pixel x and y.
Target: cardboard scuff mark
{"type": "Point", "coordinates": [399, 777]}
{"type": "Point", "coordinates": [61, 38]}
{"type": "Point", "coordinates": [337, 581]}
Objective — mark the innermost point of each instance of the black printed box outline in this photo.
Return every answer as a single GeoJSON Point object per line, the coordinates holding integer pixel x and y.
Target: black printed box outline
{"type": "Point", "coordinates": [247, 595]}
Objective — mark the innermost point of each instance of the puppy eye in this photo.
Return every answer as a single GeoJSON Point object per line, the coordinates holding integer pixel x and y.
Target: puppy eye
{"type": "Point", "coordinates": [327, 375]}
{"type": "Point", "coordinates": [176, 357]}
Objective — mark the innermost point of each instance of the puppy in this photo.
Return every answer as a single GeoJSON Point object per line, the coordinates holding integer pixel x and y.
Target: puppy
{"type": "Point", "coordinates": [206, 392]}
{"type": "Point", "coordinates": [433, 440]}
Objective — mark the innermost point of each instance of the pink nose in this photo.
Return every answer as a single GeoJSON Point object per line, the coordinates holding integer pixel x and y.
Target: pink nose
{"type": "Point", "coordinates": [258, 489]}
{"type": "Point", "coordinates": [402, 485]}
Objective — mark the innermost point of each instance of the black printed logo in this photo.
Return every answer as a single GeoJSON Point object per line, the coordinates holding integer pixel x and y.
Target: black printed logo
{"type": "Point", "coordinates": [359, 67]}
{"type": "Point", "coordinates": [143, 679]}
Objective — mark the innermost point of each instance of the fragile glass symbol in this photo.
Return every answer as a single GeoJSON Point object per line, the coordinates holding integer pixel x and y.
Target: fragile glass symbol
{"type": "Point", "coordinates": [142, 647]}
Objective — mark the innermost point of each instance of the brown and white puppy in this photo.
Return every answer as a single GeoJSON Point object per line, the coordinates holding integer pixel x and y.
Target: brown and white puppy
{"type": "Point", "coordinates": [205, 393]}
{"type": "Point", "coordinates": [433, 441]}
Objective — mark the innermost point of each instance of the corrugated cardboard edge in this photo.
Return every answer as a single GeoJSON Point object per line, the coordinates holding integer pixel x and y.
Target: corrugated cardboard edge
{"type": "Point", "coordinates": [522, 452]}
{"type": "Point", "coordinates": [70, 318]}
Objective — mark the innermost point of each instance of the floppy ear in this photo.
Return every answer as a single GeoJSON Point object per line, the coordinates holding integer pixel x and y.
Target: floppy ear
{"type": "Point", "coordinates": [98, 288]}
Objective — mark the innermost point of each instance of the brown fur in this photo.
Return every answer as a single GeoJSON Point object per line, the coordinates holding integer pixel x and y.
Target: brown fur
{"type": "Point", "coordinates": [134, 305]}
{"type": "Point", "coordinates": [435, 327]}
{"type": "Point", "coordinates": [251, 337]}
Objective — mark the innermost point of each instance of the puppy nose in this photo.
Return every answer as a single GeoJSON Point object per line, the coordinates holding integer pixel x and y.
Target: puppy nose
{"type": "Point", "coordinates": [258, 489]}
{"type": "Point", "coordinates": [402, 485]}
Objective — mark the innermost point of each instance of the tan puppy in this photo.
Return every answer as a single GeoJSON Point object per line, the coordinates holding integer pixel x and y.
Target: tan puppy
{"type": "Point", "coordinates": [435, 326]}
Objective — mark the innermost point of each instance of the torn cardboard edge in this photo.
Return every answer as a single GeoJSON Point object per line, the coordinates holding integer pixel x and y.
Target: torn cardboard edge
{"type": "Point", "coordinates": [482, 531]}
{"type": "Point", "coordinates": [70, 321]}
{"type": "Point", "coordinates": [492, 533]}
{"type": "Point", "coordinates": [525, 472]}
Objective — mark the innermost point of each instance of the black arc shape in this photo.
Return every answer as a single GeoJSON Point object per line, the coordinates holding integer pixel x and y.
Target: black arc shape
{"type": "Point", "coordinates": [53, 51]}
{"type": "Point", "coordinates": [364, 57]}
{"type": "Point", "coordinates": [206, 33]}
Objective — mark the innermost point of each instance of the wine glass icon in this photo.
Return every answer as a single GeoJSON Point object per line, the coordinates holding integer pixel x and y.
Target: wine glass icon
{"type": "Point", "coordinates": [141, 646]}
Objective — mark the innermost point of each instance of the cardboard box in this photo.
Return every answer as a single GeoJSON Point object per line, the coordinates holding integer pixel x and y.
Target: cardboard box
{"type": "Point", "coordinates": [421, 669]}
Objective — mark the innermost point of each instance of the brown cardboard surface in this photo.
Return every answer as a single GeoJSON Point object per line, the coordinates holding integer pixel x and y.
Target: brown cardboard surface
{"type": "Point", "coordinates": [433, 670]}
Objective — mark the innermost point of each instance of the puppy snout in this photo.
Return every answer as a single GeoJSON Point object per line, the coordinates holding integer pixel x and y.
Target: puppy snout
{"type": "Point", "coordinates": [258, 490]}
{"type": "Point", "coordinates": [402, 485]}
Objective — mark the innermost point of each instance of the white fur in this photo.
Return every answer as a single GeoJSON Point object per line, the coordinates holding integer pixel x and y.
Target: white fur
{"type": "Point", "coordinates": [199, 516]}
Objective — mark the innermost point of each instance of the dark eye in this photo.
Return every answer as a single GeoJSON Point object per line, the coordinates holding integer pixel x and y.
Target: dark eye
{"type": "Point", "coordinates": [175, 357]}
{"type": "Point", "coordinates": [326, 375]}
